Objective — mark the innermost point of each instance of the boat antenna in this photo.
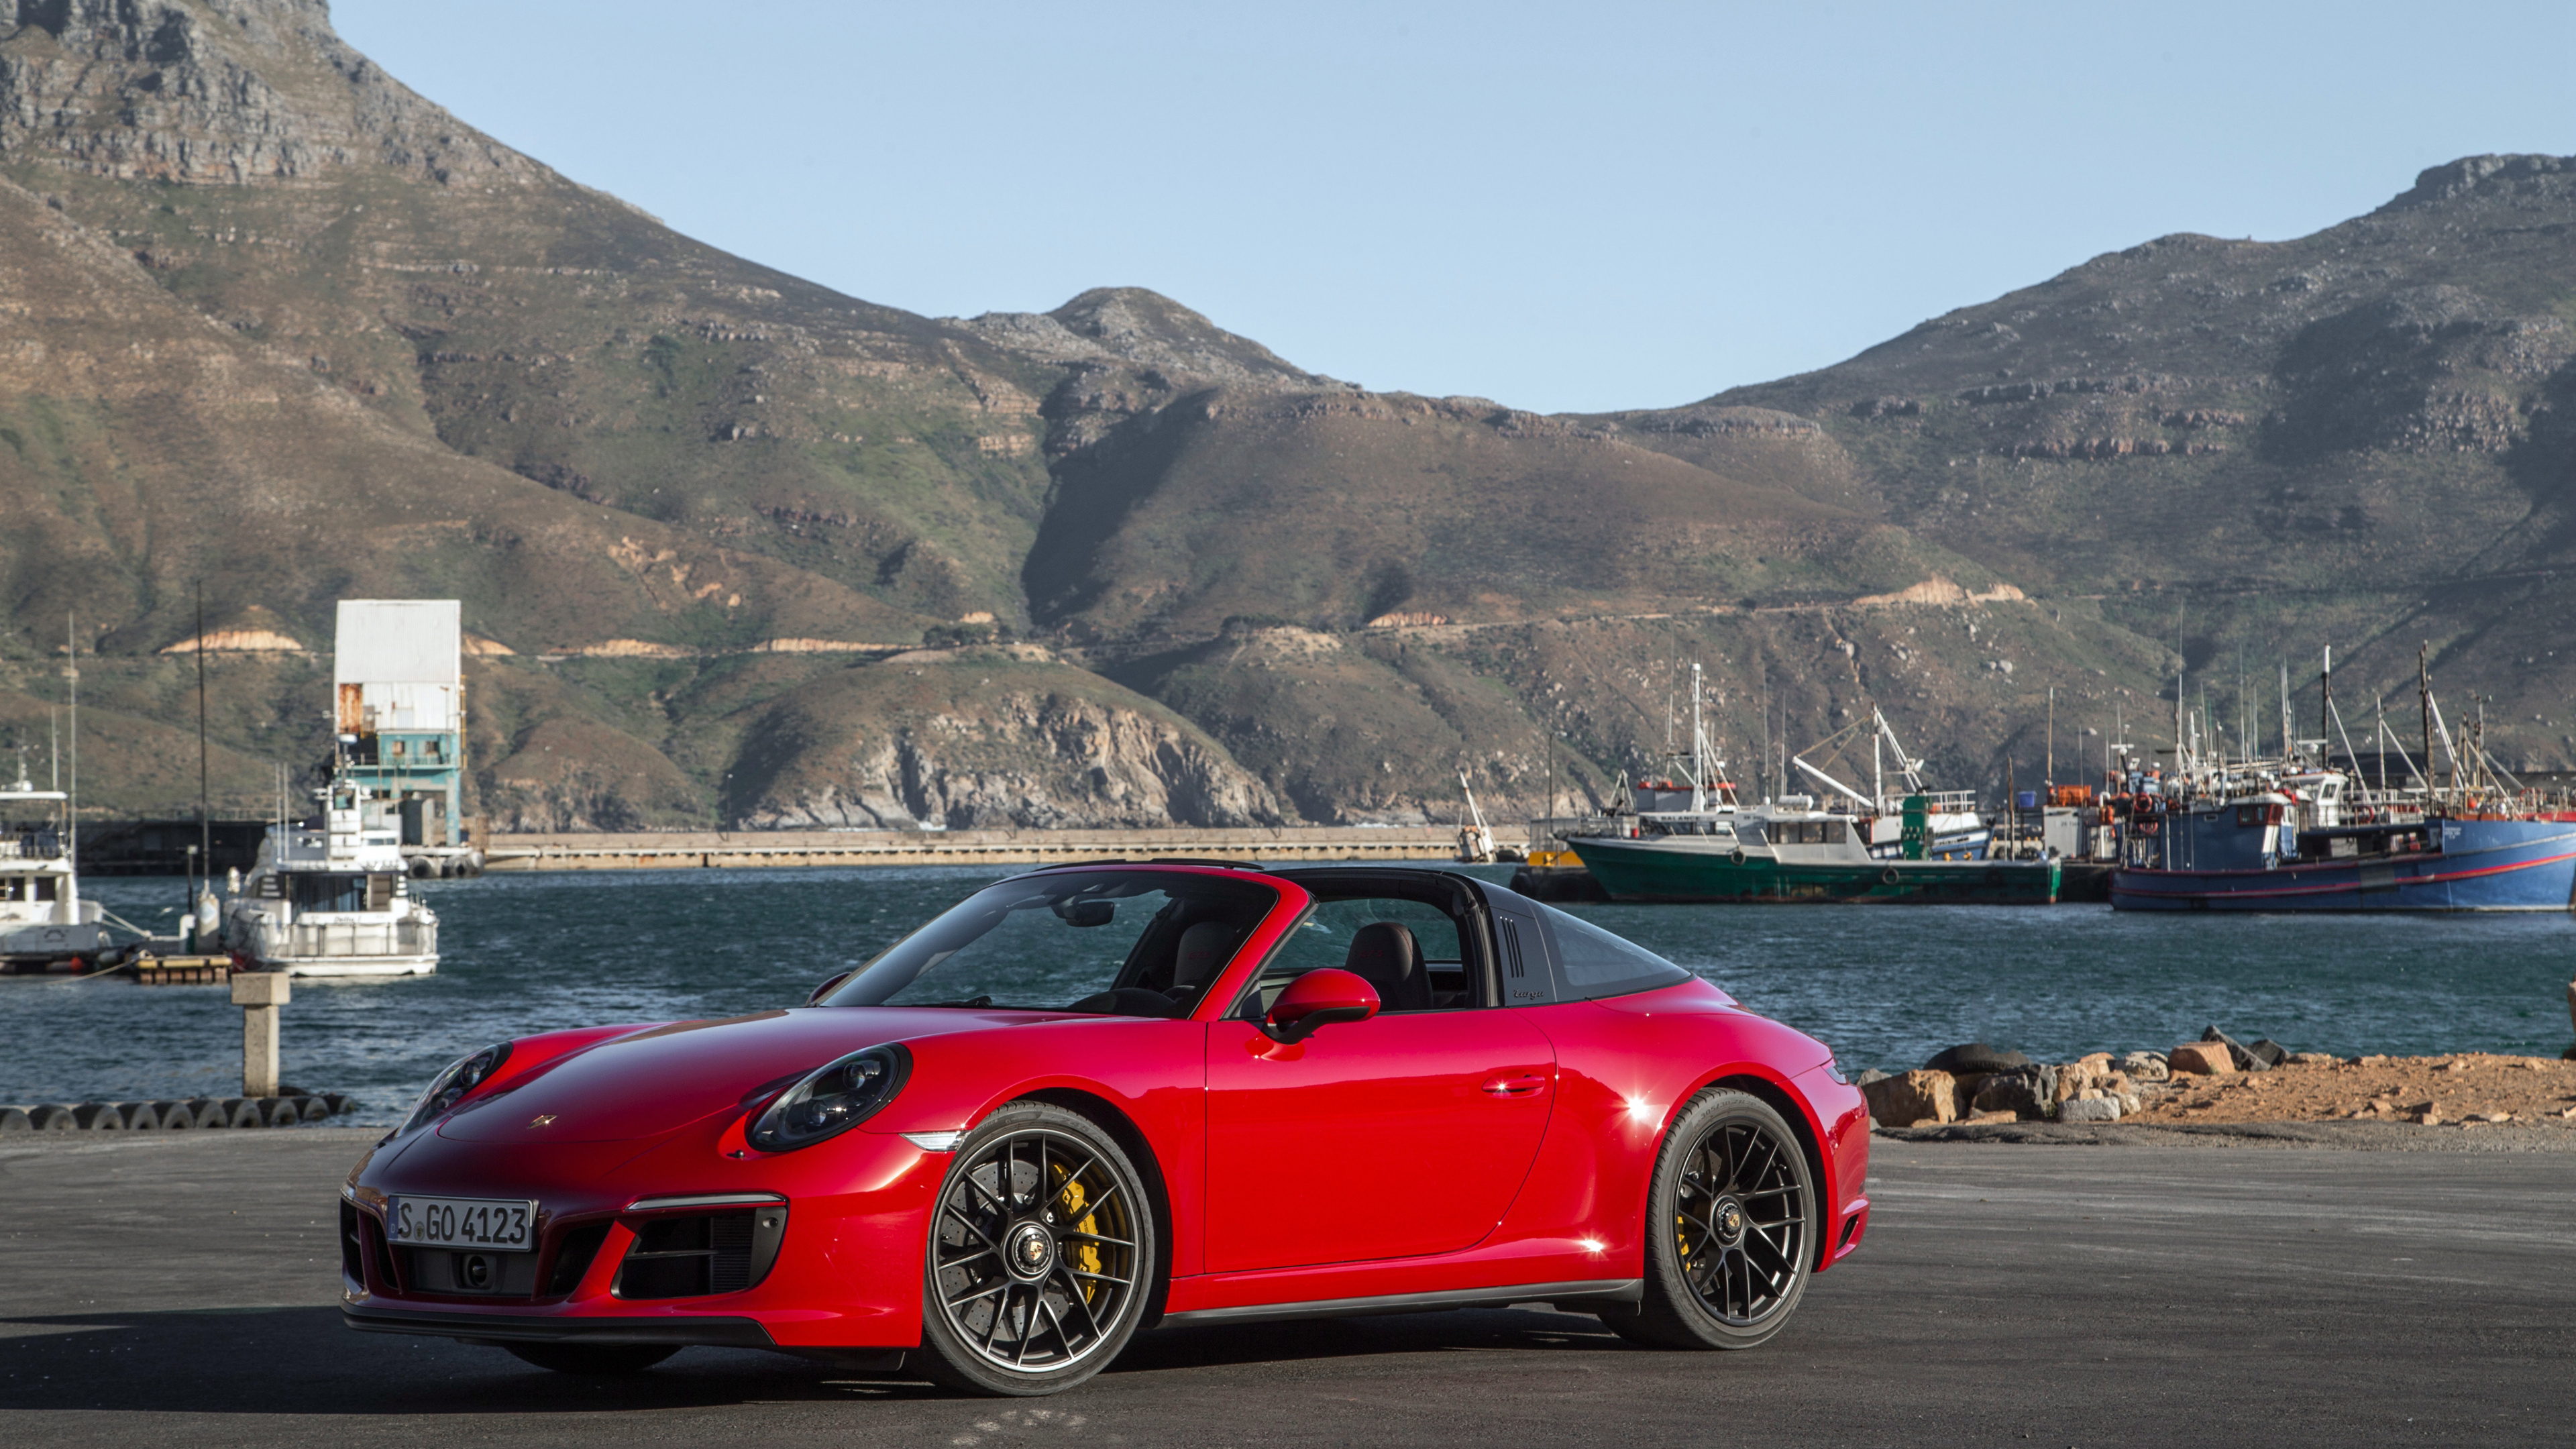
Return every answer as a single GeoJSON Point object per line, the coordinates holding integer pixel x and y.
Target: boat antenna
{"type": "Point", "coordinates": [2051, 770]}
{"type": "Point", "coordinates": [205, 815]}
{"type": "Point", "coordinates": [54, 735]}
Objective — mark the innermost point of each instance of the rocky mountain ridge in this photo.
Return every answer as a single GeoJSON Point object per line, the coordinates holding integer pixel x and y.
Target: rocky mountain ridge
{"type": "Point", "coordinates": [754, 552]}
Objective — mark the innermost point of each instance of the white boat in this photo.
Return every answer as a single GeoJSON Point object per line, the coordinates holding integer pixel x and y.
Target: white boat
{"type": "Point", "coordinates": [331, 896]}
{"type": "Point", "coordinates": [44, 923]}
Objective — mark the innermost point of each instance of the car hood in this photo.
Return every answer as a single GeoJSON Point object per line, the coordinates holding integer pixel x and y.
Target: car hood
{"type": "Point", "coordinates": [663, 1078]}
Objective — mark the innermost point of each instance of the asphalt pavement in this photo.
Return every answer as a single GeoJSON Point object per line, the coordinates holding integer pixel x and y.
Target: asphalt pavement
{"type": "Point", "coordinates": [176, 1290]}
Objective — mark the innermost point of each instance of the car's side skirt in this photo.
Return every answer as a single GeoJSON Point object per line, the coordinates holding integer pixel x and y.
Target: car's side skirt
{"type": "Point", "coordinates": [724, 1332]}
{"type": "Point", "coordinates": [1605, 1290]}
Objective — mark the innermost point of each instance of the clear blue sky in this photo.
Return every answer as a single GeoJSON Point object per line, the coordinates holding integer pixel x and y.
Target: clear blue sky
{"type": "Point", "coordinates": [1564, 207]}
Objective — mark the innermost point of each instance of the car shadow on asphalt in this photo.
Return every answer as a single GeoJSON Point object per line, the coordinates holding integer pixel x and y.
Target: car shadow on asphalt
{"type": "Point", "coordinates": [304, 1361]}
{"type": "Point", "coordinates": [1529, 1330]}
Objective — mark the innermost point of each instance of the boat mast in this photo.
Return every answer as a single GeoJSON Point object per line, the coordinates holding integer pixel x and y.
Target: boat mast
{"type": "Point", "coordinates": [2379, 741]}
{"type": "Point", "coordinates": [2287, 750]}
{"type": "Point", "coordinates": [205, 817]}
{"type": "Point", "coordinates": [2325, 703]}
{"type": "Point", "coordinates": [1699, 750]}
{"type": "Point", "coordinates": [2424, 697]}
{"type": "Point", "coordinates": [71, 674]}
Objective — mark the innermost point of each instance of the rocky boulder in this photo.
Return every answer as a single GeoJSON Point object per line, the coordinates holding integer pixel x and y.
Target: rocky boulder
{"type": "Point", "coordinates": [1924, 1098]}
{"type": "Point", "coordinates": [1975, 1058]}
{"type": "Point", "coordinates": [2201, 1059]}
{"type": "Point", "coordinates": [2016, 1092]}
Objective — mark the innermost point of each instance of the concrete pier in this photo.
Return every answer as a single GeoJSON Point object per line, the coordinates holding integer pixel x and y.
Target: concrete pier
{"type": "Point", "coordinates": [749, 848]}
{"type": "Point", "coordinates": [259, 994]}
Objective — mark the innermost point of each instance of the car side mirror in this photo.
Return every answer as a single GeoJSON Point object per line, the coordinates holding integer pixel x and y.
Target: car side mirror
{"type": "Point", "coordinates": [819, 992]}
{"type": "Point", "coordinates": [1319, 999]}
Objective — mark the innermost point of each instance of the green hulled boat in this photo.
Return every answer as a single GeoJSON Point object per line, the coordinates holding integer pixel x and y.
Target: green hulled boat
{"type": "Point", "coordinates": [1769, 853]}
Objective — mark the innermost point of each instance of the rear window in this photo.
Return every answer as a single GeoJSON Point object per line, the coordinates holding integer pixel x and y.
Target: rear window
{"type": "Point", "coordinates": [1592, 963]}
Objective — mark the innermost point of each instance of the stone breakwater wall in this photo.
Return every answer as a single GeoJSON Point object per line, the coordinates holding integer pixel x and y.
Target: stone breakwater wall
{"type": "Point", "coordinates": [785, 848]}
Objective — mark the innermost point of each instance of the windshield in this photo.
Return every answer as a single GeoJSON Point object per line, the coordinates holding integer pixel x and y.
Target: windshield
{"type": "Point", "coordinates": [1137, 943]}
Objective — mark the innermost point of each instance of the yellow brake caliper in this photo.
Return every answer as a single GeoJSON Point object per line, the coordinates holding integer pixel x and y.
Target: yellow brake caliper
{"type": "Point", "coordinates": [1086, 1257]}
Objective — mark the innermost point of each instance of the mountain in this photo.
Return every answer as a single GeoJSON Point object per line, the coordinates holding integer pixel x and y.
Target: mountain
{"type": "Point", "coordinates": [745, 550]}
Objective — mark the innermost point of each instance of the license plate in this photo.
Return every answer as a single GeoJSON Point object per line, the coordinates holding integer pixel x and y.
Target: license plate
{"type": "Point", "coordinates": [493, 1225]}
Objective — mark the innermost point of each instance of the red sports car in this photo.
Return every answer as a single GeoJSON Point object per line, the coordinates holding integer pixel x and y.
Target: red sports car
{"type": "Point", "coordinates": [1098, 1098]}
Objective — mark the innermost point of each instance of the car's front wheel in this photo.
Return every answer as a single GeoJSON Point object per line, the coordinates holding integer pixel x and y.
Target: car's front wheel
{"type": "Point", "coordinates": [1730, 1229]}
{"type": "Point", "coordinates": [1041, 1255]}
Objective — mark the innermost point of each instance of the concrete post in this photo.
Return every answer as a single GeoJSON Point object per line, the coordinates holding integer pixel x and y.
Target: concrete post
{"type": "Point", "coordinates": [259, 994]}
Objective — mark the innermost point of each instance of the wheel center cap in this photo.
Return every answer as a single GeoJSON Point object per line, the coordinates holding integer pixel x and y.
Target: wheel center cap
{"type": "Point", "coordinates": [1029, 1250]}
{"type": "Point", "coordinates": [1729, 1219]}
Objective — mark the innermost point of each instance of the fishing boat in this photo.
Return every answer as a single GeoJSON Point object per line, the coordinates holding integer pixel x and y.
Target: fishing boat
{"type": "Point", "coordinates": [2295, 833]}
{"type": "Point", "coordinates": [44, 923]}
{"type": "Point", "coordinates": [330, 895]}
{"type": "Point", "coordinates": [1694, 840]}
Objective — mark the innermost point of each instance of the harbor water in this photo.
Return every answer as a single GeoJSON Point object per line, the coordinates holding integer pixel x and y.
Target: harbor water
{"type": "Point", "coordinates": [1884, 988]}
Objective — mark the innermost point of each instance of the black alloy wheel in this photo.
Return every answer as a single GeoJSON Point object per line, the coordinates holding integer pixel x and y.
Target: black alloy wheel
{"type": "Point", "coordinates": [1041, 1255]}
{"type": "Point", "coordinates": [592, 1358]}
{"type": "Point", "coordinates": [1731, 1229]}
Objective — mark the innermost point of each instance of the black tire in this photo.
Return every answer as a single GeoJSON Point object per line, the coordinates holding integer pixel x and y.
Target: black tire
{"type": "Point", "coordinates": [1730, 1229]}
{"type": "Point", "coordinates": [1021, 1297]}
{"type": "Point", "coordinates": [592, 1358]}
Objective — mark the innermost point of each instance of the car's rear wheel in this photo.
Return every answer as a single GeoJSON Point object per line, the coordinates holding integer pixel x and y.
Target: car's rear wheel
{"type": "Point", "coordinates": [592, 1358]}
{"type": "Point", "coordinates": [1041, 1255]}
{"type": "Point", "coordinates": [1730, 1229]}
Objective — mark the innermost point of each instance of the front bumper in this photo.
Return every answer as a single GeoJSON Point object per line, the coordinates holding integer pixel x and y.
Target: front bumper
{"type": "Point", "coordinates": [1842, 1116]}
{"type": "Point", "coordinates": [629, 1249]}
{"type": "Point", "coordinates": [700, 1329]}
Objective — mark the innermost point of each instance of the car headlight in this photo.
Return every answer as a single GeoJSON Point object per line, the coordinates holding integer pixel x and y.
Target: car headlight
{"type": "Point", "coordinates": [1834, 1069]}
{"type": "Point", "coordinates": [832, 1100]}
{"type": "Point", "coordinates": [462, 1076]}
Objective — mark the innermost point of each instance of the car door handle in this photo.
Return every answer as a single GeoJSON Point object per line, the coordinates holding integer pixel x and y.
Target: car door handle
{"type": "Point", "coordinates": [1515, 1086]}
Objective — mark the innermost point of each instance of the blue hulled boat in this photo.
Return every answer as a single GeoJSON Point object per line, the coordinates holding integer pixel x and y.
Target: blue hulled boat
{"type": "Point", "coordinates": [2297, 835]}
{"type": "Point", "coordinates": [2244, 855]}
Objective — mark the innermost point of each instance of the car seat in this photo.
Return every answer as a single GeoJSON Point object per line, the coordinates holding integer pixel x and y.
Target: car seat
{"type": "Point", "coordinates": [1201, 954]}
{"type": "Point", "coordinates": [1385, 955]}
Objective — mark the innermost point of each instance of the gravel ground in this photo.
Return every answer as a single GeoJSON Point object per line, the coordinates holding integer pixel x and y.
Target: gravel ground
{"type": "Point", "coordinates": [2468, 1091]}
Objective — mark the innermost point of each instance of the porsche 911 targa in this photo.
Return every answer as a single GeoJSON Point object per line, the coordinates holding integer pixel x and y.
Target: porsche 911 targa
{"type": "Point", "coordinates": [1099, 1098]}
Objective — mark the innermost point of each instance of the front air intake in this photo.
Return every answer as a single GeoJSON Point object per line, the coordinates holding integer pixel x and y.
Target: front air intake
{"type": "Point", "coordinates": [580, 1243]}
{"type": "Point", "coordinates": [353, 1248]}
{"type": "Point", "coordinates": [692, 1255]}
